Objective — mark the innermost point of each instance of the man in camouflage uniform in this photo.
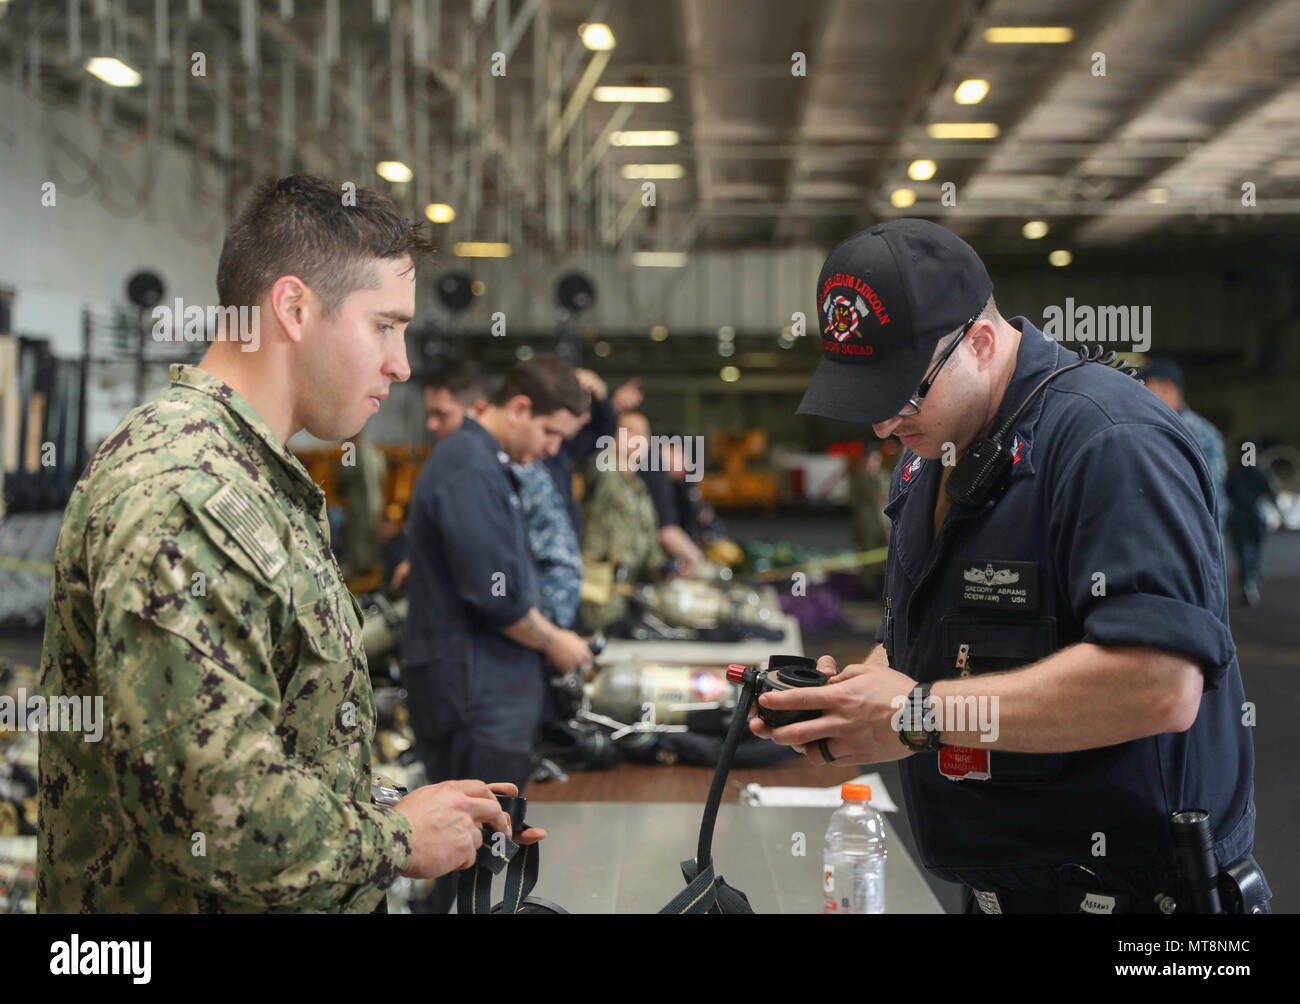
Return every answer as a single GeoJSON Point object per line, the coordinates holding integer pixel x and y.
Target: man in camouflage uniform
{"type": "Point", "coordinates": [195, 590]}
{"type": "Point", "coordinates": [619, 521]}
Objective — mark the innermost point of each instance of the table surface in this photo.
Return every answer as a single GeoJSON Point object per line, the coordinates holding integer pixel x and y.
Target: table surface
{"type": "Point", "coordinates": [625, 857]}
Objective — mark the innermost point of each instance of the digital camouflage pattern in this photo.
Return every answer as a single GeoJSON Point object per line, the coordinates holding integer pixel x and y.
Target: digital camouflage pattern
{"type": "Point", "coordinates": [553, 543]}
{"type": "Point", "coordinates": [619, 525]}
{"type": "Point", "coordinates": [1216, 458]}
{"type": "Point", "coordinates": [195, 590]}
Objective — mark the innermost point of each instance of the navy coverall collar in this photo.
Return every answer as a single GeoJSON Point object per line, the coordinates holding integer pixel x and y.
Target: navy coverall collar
{"type": "Point", "coordinates": [486, 438]}
{"type": "Point", "coordinates": [917, 549]}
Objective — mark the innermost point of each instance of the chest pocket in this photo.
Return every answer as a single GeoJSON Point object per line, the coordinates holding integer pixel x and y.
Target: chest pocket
{"type": "Point", "coordinates": [326, 704]}
{"type": "Point", "coordinates": [996, 644]}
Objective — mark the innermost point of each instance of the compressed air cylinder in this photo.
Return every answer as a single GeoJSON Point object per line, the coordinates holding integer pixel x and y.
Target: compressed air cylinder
{"type": "Point", "coordinates": [634, 692]}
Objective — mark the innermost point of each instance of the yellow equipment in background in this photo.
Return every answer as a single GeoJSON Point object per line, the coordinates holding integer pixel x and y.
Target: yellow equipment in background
{"type": "Point", "coordinates": [735, 485]}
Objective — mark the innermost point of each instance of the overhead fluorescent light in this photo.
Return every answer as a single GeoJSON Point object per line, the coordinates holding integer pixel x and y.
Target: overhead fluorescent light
{"type": "Point", "coordinates": [1060, 258]}
{"type": "Point", "coordinates": [645, 137]}
{"type": "Point", "coordinates": [921, 170]}
{"type": "Point", "coordinates": [642, 171]}
{"type": "Point", "coordinates": [1028, 35]}
{"type": "Point", "coordinates": [1034, 229]}
{"type": "Point", "coordinates": [481, 249]}
{"type": "Point", "coordinates": [394, 171]}
{"type": "Point", "coordinates": [1157, 195]}
{"type": "Point", "coordinates": [963, 130]}
{"type": "Point", "coordinates": [596, 36]}
{"type": "Point", "coordinates": [645, 95]}
{"type": "Point", "coordinates": [901, 198]}
{"type": "Point", "coordinates": [113, 72]}
{"type": "Point", "coordinates": [971, 92]}
{"type": "Point", "coordinates": [659, 259]}
{"type": "Point", "coordinates": [439, 212]}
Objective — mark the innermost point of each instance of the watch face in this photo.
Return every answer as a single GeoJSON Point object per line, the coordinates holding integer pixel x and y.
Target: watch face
{"type": "Point", "coordinates": [917, 740]}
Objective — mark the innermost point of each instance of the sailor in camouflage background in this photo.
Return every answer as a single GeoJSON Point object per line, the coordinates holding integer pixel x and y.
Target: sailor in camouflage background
{"type": "Point", "coordinates": [195, 590]}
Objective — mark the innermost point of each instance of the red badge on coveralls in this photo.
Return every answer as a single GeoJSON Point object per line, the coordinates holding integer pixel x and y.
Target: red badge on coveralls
{"type": "Point", "coordinates": [962, 763]}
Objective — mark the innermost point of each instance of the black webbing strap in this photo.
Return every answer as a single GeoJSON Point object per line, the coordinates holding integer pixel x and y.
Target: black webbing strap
{"type": "Point", "coordinates": [700, 893]}
{"type": "Point", "coordinates": [521, 876]}
{"type": "Point", "coordinates": [475, 894]}
{"type": "Point", "coordinates": [521, 865]}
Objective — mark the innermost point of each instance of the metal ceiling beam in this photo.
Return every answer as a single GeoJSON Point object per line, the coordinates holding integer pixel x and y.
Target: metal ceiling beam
{"type": "Point", "coordinates": [577, 100]}
{"type": "Point", "coordinates": [601, 146]}
{"type": "Point", "coordinates": [812, 45]}
{"type": "Point", "coordinates": [989, 208]}
{"type": "Point", "coordinates": [1093, 21]}
{"type": "Point", "coordinates": [956, 24]}
{"type": "Point", "coordinates": [1242, 19]}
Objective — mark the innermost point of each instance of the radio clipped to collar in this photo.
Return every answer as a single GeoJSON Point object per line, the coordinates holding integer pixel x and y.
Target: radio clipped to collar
{"type": "Point", "coordinates": [985, 468]}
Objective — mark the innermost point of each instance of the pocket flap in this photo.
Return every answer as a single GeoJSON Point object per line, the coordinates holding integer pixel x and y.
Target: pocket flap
{"type": "Point", "coordinates": [1023, 639]}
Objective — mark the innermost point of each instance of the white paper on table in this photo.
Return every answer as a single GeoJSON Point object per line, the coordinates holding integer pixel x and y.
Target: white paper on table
{"type": "Point", "coordinates": [772, 795]}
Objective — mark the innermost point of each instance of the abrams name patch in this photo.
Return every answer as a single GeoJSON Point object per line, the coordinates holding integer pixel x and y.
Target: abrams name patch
{"type": "Point", "coordinates": [998, 585]}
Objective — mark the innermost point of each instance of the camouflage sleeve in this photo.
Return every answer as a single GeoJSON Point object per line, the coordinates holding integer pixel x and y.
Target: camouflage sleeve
{"type": "Point", "coordinates": [658, 556]}
{"type": "Point", "coordinates": [599, 520]}
{"type": "Point", "coordinates": [185, 637]}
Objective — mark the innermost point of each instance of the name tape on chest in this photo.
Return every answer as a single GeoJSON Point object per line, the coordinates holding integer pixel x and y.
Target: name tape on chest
{"type": "Point", "coordinates": [322, 572]}
{"type": "Point", "coordinates": [239, 516]}
{"type": "Point", "coordinates": [997, 585]}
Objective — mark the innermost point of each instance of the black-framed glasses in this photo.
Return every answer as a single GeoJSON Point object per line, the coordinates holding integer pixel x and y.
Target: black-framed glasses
{"type": "Point", "coordinates": [913, 406]}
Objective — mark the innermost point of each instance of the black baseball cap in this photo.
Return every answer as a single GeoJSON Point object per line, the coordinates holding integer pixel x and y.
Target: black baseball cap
{"type": "Point", "coordinates": [884, 299]}
{"type": "Point", "coordinates": [1161, 368]}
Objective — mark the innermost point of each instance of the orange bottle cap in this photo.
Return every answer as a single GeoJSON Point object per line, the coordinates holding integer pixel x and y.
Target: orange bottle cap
{"type": "Point", "coordinates": [855, 792]}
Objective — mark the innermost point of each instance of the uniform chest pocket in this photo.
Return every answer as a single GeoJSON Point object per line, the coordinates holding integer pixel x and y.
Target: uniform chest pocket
{"type": "Point", "coordinates": [997, 643]}
{"type": "Point", "coordinates": [1002, 643]}
{"type": "Point", "coordinates": [322, 631]}
{"type": "Point", "coordinates": [326, 700]}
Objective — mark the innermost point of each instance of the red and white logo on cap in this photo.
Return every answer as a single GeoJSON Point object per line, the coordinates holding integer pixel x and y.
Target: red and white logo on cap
{"type": "Point", "coordinates": [842, 316]}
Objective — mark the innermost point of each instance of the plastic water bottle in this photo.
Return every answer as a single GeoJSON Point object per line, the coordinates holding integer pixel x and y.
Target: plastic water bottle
{"type": "Point", "coordinates": [853, 871]}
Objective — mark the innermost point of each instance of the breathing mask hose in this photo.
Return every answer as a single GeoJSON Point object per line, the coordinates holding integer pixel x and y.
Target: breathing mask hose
{"type": "Point", "coordinates": [739, 726]}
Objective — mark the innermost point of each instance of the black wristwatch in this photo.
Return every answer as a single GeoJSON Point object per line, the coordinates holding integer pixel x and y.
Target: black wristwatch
{"type": "Point", "coordinates": [917, 740]}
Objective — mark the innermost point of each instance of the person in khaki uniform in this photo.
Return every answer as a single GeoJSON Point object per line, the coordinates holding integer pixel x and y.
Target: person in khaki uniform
{"type": "Point", "coordinates": [195, 591]}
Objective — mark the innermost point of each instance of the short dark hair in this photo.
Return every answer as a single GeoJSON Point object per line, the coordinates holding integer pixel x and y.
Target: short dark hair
{"type": "Point", "coordinates": [462, 380]}
{"type": "Point", "coordinates": [987, 313]}
{"type": "Point", "coordinates": [549, 382]}
{"type": "Point", "coordinates": [317, 230]}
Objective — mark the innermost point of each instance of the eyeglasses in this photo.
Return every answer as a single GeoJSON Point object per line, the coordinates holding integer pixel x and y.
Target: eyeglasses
{"type": "Point", "coordinates": [913, 406]}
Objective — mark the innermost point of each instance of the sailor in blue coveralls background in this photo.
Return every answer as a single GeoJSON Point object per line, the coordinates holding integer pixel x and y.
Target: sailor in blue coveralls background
{"type": "Point", "coordinates": [1056, 662]}
{"type": "Point", "coordinates": [475, 639]}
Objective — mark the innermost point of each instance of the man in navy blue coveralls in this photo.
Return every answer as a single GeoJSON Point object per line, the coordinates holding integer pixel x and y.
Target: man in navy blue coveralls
{"type": "Point", "coordinates": [1073, 630]}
